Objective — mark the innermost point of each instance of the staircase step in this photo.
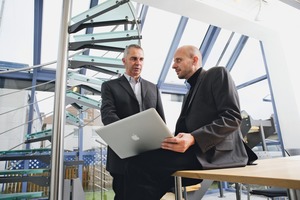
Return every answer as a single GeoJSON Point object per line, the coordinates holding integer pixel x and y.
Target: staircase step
{"type": "Point", "coordinates": [36, 176]}
{"type": "Point", "coordinates": [90, 16]}
{"type": "Point", "coordinates": [39, 180]}
{"type": "Point", "coordinates": [116, 46]}
{"type": "Point", "coordinates": [41, 150]}
{"type": "Point", "coordinates": [23, 171]}
{"type": "Point", "coordinates": [121, 15]}
{"type": "Point", "coordinates": [39, 136]}
{"type": "Point", "coordinates": [4, 65]}
{"type": "Point", "coordinates": [72, 119]}
{"type": "Point", "coordinates": [15, 196]}
{"type": "Point", "coordinates": [95, 40]}
{"type": "Point", "coordinates": [81, 100]}
{"type": "Point", "coordinates": [111, 66]}
{"type": "Point", "coordinates": [26, 154]}
{"type": "Point", "coordinates": [80, 107]}
{"type": "Point", "coordinates": [90, 83]}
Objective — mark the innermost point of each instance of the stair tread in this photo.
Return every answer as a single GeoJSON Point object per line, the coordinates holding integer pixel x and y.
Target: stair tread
{"type": "Point", "coordinates": [81, 100]}
{"type": "Point", "coordinates": [39, 134]}
{"type": "Point", "coordinates": [81, 60]}
{"type": "Point", "coordinates": [72, 119]}
{"type": "Point", "coordinates": [24, 151]}
{"type": "Point", "coordinates": [21, 195]}
{"type": "Point", "coordinates": [80, 80]}
{"type": "Point", "coordinates": [24, 171]}
{"type": "Point", "coordinates": [96, 40]}
{"type": "Point", "coordinates": [93, 13]}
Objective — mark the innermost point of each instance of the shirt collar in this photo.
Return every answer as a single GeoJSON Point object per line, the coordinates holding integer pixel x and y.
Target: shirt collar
{"type": "Point", "coordinates": [130, 79]}
{"type": "Point", "coordinates": [193, 79]}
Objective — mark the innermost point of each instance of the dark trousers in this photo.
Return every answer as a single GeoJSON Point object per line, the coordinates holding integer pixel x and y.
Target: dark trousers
{"type": "Point", "coordinates": [149, 175]}
{"type": "Point", "coordinates": [118, 186]}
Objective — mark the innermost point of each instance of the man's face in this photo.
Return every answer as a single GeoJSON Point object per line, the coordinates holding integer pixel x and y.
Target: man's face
{"type": "Point", "coordinates": [133, 62]}
{"type": "Point", "coordinates": [183, 64]}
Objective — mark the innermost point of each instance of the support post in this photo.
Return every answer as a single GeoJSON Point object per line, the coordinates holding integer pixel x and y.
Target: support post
{"type": "Point", "coordinates": [57, 148]}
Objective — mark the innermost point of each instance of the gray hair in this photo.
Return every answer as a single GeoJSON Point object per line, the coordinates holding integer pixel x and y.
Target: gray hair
{"type": "Point", "coordinates": [131, 46]}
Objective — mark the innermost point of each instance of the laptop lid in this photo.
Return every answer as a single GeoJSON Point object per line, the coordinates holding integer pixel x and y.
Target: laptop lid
{"type": "Point", "coordinates": [135, 134]}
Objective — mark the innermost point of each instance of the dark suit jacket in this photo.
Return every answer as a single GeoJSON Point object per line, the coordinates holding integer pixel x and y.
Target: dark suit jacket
{"type": "Point", "coordinates": [118, 102]}
{"type": "Point", "coordinates": [213, 117]}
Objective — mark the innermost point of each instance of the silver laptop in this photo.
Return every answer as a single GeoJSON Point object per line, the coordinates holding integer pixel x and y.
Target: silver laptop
{"type": "Point", "coordinates": [135, 134]}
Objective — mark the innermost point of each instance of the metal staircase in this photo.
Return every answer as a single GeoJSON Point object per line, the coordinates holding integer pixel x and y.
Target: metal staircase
{"type": "Point", "coordinates": [114, 25]}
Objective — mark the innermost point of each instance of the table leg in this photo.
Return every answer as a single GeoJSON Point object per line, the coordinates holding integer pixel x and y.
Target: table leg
{"type": "Point", "coordinates": [238, 191]}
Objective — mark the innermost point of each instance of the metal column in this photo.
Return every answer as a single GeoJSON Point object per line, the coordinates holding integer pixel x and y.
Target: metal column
{"type": "Point", "coordinates": [57, 156]}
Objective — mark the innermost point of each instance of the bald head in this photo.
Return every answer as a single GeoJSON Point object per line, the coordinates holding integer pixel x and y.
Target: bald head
{"type": "Point", "coordinates": [187, 60]}
{"type": "Point", "coordinates": [191, 51]}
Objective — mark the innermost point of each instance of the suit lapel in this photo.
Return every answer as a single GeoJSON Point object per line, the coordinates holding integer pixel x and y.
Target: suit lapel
{"type": "Point", "coordinates": [144, 88]}
{"type": "Point", "coordinates": [125, 84]}
{"type": "Point", "coordinates": [144, 91]}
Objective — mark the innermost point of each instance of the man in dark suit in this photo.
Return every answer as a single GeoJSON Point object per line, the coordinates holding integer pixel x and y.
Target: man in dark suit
{"type": "Point", "coordinates": [207, 133]}
{"type": "Point", "coordinates": [125, 96]}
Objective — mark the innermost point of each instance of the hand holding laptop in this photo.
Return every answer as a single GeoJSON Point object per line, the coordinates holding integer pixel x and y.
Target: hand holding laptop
{"type": "Point", "coordinates": [179, 143]}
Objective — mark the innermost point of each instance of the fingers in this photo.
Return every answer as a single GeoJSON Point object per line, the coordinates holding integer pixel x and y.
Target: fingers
{"type": "Point", "coordinates": [172, 140]}
{"type": "Point", "coordinates": [179, 143]}
{"type": "Point", "coordinates": [180, 135]}
{"type": "Point", "coordinates": [174, 145]}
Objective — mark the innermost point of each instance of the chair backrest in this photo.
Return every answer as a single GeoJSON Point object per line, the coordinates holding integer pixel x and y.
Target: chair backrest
{"type": "Point", "coordinates": [292, 151]}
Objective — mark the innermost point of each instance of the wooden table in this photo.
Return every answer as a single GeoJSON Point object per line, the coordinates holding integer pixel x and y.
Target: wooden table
{"type": "Point", "coordinates": [281, 172]}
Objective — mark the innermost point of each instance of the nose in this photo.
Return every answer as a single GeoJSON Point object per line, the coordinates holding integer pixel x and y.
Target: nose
{"type": "Point", "coordinates": [174, 65]}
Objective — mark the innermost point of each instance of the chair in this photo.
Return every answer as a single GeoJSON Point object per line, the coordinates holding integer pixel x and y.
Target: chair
{"type": "Point", "coordinates": [273, 192]}
{"type": "Point", "coordinates": [292, 151]}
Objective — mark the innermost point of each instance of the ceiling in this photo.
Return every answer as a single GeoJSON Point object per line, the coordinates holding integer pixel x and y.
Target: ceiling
{"type": "Point", "coordinates": [255, 18]}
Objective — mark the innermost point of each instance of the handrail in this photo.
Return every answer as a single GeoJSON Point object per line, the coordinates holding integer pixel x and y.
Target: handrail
{"type": "Point", "coordinates": [1, 95]}
{"type": "Point", "coordinates": [22, 124]}
{"type": "Point", "coordinates": [25, 106]}
{"type": "Point", "coordinates": [38, 66]}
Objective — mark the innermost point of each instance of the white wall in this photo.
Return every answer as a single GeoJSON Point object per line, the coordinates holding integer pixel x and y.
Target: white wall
{"type": "Point", "coordinates": [16, 32]}
{"type": "Point", "coordinates": [12, 115]}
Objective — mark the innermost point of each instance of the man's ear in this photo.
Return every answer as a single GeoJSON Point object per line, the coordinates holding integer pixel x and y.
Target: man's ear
{"type": "Point", "coordinates": [123, 60]}
{"type": "Point", "coordinates": [195, 60]}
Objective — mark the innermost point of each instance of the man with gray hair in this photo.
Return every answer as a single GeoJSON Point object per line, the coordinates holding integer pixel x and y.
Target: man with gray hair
{"type": "Point", "coordinates": [123, 97]}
